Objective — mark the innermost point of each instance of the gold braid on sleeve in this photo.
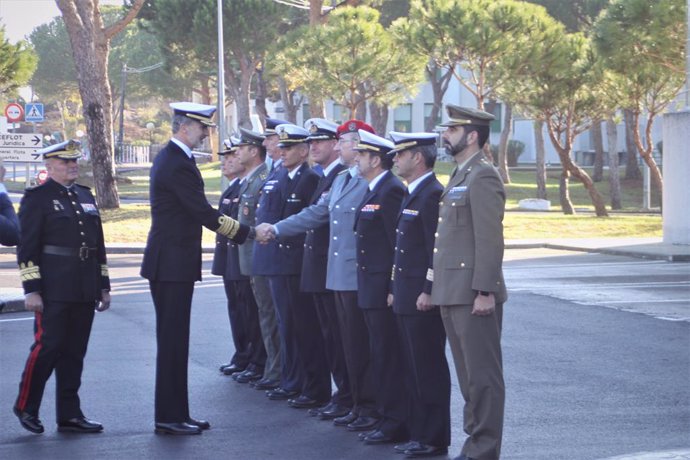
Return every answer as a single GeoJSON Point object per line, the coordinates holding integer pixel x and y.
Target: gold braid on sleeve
{"type": "Point", "coordinates": [29, 271]}
{"type": "Point", "coordinates": [228, 226]}
{"type": "Point", "coordinates": [430, 275]}
{"type": "Point", "coordinates": [104, 271]}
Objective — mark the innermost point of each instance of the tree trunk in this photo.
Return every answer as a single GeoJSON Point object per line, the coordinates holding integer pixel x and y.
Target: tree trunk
{"type": "Point", "coordinates": [541, 159]}
{"type": "Point", "coordinates": [288, 99]}
{"type": "Point", "coordinates": [379, 116]}
{"type": "Point", "coordinates": [503, 145]}
{"type": "Point", "coordinates": [90, 47]}
{"type": "Point", "coordinates": [489, 107]}
{"type": "Point", "coordinates": [564, 193]}
{"type": "Point", "coordinates": [614, 173]}
{"type": "Point", "coordinates": [646, 151]}
{"type": "Point", "coordinates": [632, 169]}
{"type": "Point", "coordinates": [317, 108]}
{"type": "Point", "coordinates": [260, 98]}
{"type": "Point", "coordinates": [438, 88]}
{"type": "Point", "coordinates": [579, 173]}
{"type": "Point", "coordinates": [598, 141]}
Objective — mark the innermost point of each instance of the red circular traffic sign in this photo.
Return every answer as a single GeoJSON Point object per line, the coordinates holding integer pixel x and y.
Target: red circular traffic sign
{"type": "Point", "coordinates": [42, 176]}
{"type": "Point", "coordinates": [14, 112]}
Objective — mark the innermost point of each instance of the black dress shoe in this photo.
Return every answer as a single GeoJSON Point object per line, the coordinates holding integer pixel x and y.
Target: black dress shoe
{"type": "Point", "coordinates": [363, 424]}
{"type": "Point", "coordinates": [345, 420]}
{"type": "Point", "coordinates": [223, 366]}
{"type": "Point", "coordinates": [364, 434]}
{"type": "Point", "coordinates": [379, 437]}
{"type": "Point", "coordinates": [304, 402]}
{"type": "Point", "coordinates": [79, 425]}
{"type": "Point", "coordinates": [316, 411]}
{"type": "Point", "coordinates": [202, 424]}
{"type": "Point", "coordinates": [28, 421]}
{"type": "Point", "coordinates": [401, 448]}
{"type": "Point", "coordinates": [177, 429]}
{"type": "Point", "coordinates": [281, 394]}
{"type": "Point", "coordinates": [247, 376]}
{"type": "Point", "coordinates": [233, 369]}
{"type": "Point", "coordinates": [335, 411]}
{"type": "Point", "coordinates": [264, 384]}
{"type": "Point", "coordinates": [425, 450]}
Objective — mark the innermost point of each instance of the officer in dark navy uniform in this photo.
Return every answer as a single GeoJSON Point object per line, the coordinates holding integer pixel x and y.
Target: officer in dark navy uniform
{"type": "Point", "coordinates": [250, 354]}
{"type": "Point", "coordinates": [421, 328]}
{"type": "Point", "coordinates": [375, 237]}
{"type": "Point", "coordinates": [284, 196]}
{"type": "Point", "coordinates": [172, 259]}
{"type": "Point", "coordinates": [62, 263]}
{"type": "Point", "coordinates": [322, 142]}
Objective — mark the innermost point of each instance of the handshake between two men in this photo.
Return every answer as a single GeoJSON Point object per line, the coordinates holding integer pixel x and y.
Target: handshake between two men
{"type": "Point", "coordinates": [265, 233]}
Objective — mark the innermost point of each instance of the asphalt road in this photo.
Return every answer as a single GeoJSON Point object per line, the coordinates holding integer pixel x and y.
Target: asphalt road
{"type": "Point", "coordinates": [596, 353]}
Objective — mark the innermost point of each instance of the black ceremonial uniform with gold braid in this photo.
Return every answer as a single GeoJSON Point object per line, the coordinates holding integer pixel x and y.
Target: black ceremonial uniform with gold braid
{"type": "Point", "coordinates": [61, 256]}
{"type": "Point", "coordinates": [62, 253]}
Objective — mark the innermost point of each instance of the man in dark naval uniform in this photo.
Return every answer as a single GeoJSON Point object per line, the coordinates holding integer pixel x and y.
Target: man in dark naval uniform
{"type": "Point", "coordinates": [63, 269]}
{"type": "Point", "coordinates": [250, 354]}
{"type": "Point", "coordinates": [322, 142]}
{"type": "Point", "coordinates": [422, 335]}
{"type": "Point", "coordinates": [375, 238]}
{"type": "Point", "coordinates": [172, 259]}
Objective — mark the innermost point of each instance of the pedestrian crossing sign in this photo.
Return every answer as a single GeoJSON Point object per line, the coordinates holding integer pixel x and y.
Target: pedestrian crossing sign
{"type": "Point", "coordinates": [33, 112]}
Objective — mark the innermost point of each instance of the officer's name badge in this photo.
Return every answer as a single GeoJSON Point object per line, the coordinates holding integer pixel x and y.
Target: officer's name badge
{"type": "Point", "coordinates": [371, 207]}
{"type": "Point", "coordinates": [456, 192]}
{"type": "Point", "coordinates": [410, 212]}
{"type": "Point", "coordinates": [226, 200]}
{"type": "Point", "coordinates": [89, 207]}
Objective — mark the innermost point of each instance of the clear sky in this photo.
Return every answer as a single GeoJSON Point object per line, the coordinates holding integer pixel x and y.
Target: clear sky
{"type": "Point", "coordinates": [20, 17]}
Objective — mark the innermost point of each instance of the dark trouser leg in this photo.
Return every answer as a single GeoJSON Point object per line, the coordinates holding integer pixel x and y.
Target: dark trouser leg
{"type": "Point", "coordinates": [317, 378]}
{"type": "Point", "coordinates": [236, 315]}
{"type": "Point", "coordinates": [49, 335]}
{"type": "Point", "coordinates": [424, 342]}
{"type": "Point", "coordinates": [257, 350]}
{"type": "Point", "coordinates": [269, 326]}
{"type": "Point", "coordinates": [284, 292]}
{"type": "Point", "coordinates": [476, 345]}
{"type": "Point", "coordinates": [333, 346]}
{"type": "Point", "coordinates": [387, 369]}
{"type": "Point", "coordinates": [70, 363]}
{"type": "Point", "coordinates": [356, 350]}
{"type": "Point", "coordinates": [173, 302]}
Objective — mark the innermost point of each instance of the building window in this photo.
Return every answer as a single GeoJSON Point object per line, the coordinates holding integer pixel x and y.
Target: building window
{"type": "Point", "coordinates": [402, 118]}
{"type": "Point", "coordinates": [427, 115]}
{"type": "Point", "coordinates": [497, 125]}
{"type": "Point", "coordinates": [338, 111]}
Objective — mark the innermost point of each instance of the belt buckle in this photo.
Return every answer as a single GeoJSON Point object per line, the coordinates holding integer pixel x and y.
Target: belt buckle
{"type": "Point", "coordinates": [83, 253]}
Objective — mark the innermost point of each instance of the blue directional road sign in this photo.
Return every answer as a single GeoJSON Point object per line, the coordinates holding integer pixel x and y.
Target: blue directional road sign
{"type": "Point", "coordinates": [33, 112]}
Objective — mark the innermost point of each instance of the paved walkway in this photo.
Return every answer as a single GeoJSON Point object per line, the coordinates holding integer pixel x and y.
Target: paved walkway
{"type": "Point", "coordinates": [664, 455]}
{"type": "Point", "coordinates": [12, 299]}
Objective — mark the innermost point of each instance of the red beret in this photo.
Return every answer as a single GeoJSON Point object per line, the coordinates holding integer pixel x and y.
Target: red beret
{"type": "Point", "coordinates": [352, 126]}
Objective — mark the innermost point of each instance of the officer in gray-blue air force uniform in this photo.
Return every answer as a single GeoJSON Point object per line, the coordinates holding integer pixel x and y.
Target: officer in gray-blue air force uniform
{"type": "Point", "coordinates": [63, 269]}
{"type": "Point", "coordinates": [172, 259]}
{"type": "Point", "coordinates": [421, 329]}
{"type": "Point", "coordinates": [338, 208]}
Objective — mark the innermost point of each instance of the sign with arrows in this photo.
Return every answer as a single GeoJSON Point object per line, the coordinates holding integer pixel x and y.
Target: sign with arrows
{"type": "Point", "coordinates": [20, 147]}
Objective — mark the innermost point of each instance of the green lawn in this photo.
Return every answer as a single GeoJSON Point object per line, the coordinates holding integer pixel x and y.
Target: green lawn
{"type": "Point", "coordinates": [131, 222]}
